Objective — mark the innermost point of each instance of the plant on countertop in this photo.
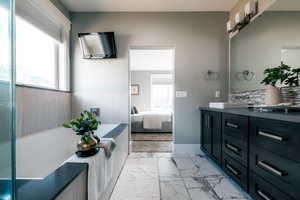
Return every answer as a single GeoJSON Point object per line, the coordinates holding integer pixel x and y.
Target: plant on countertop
{"type": "Point", "coordinates": [273, 75]}
{"type": "Point", "coordinates": [293, 78]}
{"type": "Point", "coordinates": [84, 126]}
{"type": "Point", "coordinates": [283, 74]}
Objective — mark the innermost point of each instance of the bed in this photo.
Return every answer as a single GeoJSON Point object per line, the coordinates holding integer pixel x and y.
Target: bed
{"type": "Point", "coordinates": [152, 122]}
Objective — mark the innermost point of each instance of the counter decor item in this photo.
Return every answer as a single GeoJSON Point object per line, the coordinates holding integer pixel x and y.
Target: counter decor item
{"type": "Point", "coordinates": [272, 76]}
{"type": "Point", "coordinates": [85, 126]}
{"type": "Point", "coordinates": [283, 74]}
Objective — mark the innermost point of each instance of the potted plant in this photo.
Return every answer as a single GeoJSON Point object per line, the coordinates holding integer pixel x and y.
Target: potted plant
{"type": "Point", "coordinates": [85, 126]}
{"type": "Point", "coordinates": [293, 81]}
{"type": "Point", "coordinates": [273, 76]}
{"type": "Point", "coordinates": [293, 78]}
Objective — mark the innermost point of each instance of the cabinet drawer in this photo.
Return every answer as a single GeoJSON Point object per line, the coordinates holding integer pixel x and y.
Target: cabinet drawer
{"type": "Point", "coordinates": [280, 137]}
{"type": "Point", "coordinates": [260, 189]}
{"type": "Point", "coordinates": [280, 171]}
{"type": "Point", "coordinates": [236, 148]}
{"type": "Point", "coordinates": [235, 126]}
{"type": "Point", "coordinates": [235, 170]}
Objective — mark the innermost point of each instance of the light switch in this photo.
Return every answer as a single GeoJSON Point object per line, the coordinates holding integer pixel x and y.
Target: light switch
{"type": "Point", "coordinates": [181, 94]}
{"type": "Point", "coordinates": [218, 94]}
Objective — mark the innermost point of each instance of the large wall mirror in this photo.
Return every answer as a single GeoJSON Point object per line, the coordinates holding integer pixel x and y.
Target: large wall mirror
{"type": "Point", "coordinates": [272, 38]}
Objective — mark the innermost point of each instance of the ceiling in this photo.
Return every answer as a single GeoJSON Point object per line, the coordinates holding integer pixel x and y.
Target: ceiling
{"type": "Point", "coordinates": [147, 5]}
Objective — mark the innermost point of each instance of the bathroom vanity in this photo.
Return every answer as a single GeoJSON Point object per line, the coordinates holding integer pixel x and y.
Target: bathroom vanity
{"type": "Point", "coordinates": [259, 151]}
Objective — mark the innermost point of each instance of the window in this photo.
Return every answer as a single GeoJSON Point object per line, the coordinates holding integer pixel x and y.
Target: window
{"type": "Point", "coordinates": [36, 56]}
{"type": "Point", "coordinates": [5, 45]}
{"type": "Point", "coordinates": [161, 92]}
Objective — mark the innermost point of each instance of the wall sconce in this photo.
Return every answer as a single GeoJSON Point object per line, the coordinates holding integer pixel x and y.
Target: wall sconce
{"type": "Point", "coordinates": [250, 9]}
{"type": "Point", "coordinates": [238, 18]}
{"type": "Point", "coordinates": [230, 26]}
{"type": "Point", "coordinates": [245, 75]}
{"type": "Point", "coordinates": [211, 75]}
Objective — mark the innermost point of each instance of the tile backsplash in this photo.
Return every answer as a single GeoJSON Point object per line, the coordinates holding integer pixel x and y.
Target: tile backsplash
{"type": "Point", "coordinates": [257, 97]}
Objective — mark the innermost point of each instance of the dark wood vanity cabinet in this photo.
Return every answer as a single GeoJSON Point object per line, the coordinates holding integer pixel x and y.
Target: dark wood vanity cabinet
{"type": "Point", "coordinates": [260, 154]}
{"type": "Point", "coordinates": [211, 135]}
{"type": "Point", "coordinates": [274, 154]}
{"type": "Point", "coordinates": [235, 148]}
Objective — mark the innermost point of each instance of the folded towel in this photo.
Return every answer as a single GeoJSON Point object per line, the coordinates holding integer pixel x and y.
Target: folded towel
{"type": "Point", "coordinates": [108, 144]}
{"type": "Point", "coordinates": [152, 121]}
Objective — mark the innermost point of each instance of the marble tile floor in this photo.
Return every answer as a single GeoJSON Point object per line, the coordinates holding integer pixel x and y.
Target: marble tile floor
{"type": "Point", "coordinates": [163, 176]}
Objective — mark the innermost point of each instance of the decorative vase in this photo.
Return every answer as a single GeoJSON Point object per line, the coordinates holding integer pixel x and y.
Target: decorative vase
{"type": "Point", "coordinates": [87, 144]}
{"type": "Point", "coordinates": [272, 95]}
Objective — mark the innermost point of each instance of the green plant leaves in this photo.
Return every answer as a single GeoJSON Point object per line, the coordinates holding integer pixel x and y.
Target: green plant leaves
{"type": "Point", "coordinates": [85, 125]}
{"type": "Point", "coordinates": [67, 126]}
{"type": "Point", "coordinates": [283, 74]}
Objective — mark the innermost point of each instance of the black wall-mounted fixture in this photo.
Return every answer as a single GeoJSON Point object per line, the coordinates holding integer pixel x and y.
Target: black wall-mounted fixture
{"type": "Point", "coordinates": [99, 45]}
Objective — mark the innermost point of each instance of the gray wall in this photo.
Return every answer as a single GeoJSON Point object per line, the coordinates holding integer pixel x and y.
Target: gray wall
{"type": "Point", "coordinates": [143, 79]}
{"type": "Point", "coordinates": [38, 110]}
{"type": "Point", "coordinates": [201, 43]}
{"type": "Point", "coordinates": [40, 115]}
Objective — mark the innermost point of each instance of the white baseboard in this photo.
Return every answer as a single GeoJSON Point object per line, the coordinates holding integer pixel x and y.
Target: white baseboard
{"type": "Point", "coordinates": [186, 149]}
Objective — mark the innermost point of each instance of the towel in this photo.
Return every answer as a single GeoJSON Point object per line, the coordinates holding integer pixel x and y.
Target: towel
{"type": "Point", "coordinates": [152, 121]}
{"type": "Point", "coordinates": [108, 144]}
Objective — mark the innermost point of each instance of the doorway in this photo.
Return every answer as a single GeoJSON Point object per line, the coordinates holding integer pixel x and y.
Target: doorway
{"type": "Point", "coordinates": [151, 96]}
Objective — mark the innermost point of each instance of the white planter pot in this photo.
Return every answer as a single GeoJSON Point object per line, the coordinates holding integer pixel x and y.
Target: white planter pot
{"type": "Point", "coordinates": [273, 96]}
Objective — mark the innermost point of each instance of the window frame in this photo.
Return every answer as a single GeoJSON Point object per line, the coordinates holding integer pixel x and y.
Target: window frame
{"type": "Point", "coordinates": [59, 47]}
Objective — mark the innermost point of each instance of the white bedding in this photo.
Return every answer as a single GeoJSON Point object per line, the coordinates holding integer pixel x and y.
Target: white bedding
{"type": "Point", "coordinates": [152, 119]}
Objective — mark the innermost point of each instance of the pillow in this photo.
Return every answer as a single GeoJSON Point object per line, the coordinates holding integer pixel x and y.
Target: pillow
{"type": "Point", "coordinates": [135, 110]}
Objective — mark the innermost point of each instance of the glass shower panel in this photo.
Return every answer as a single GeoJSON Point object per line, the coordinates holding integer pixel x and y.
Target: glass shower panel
{"type": "Point", "coordinates": [7, 169]}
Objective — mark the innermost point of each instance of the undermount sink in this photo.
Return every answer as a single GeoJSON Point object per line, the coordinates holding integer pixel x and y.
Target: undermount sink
{"type": "Point", "coordinates": [222, 105]}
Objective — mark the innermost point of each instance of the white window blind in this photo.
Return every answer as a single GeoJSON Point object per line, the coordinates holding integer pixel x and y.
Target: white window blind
{"type": "Point", "coordinates": [32, 13]}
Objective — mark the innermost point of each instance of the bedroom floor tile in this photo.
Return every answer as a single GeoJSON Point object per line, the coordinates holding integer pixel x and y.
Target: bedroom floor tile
{"type": "Point", "coordinates": [151, 146]}
{"type": "Point", "coordinates": [151, 136]}
{"type": "Point", "coordinates": [163, 176]}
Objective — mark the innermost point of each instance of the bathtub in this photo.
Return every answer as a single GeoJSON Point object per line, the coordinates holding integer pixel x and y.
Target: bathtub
{"type": "Point", "coordinates": [41, 153]}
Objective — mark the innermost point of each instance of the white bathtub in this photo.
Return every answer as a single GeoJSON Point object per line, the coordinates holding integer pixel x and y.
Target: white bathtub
{"type": "Point", "coordinates": [41, 153]}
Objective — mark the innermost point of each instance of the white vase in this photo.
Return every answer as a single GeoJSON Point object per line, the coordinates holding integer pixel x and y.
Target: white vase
{"type": "Point", "coordinates": [273, 96]}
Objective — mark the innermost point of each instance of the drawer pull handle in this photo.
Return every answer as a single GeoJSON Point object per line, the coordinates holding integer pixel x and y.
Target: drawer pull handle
{"type": "Point", "coordinates": [231, 125]}
{"type": "Point", "coordinates": [232, 170]}
{"type": "Point", "coordinates": [272, 169]}
{"type": "Point", "coordinates": [263, 195]}
{"type": "Point", "coordinates": [233, 148]}
{"type": "Point", "coordinates": [275, 137]}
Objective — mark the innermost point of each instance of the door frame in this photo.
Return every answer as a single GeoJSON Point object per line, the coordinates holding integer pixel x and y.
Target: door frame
{"type": "Point", "coordinates": [131, 47]}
